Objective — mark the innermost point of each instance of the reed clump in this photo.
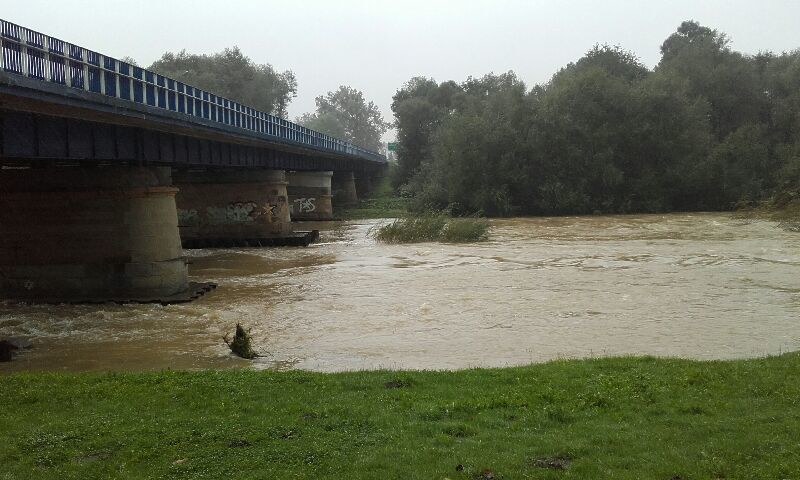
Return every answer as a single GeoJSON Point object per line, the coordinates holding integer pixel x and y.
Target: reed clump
{"type": "Point", "coordinates": [433, 228]}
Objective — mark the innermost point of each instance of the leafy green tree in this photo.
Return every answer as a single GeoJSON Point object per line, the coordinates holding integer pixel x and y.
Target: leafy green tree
{"type": "Point", "coordinates": [707, 129]}
{"type": "Point", "coordinates": [233, 75]}
{"type": "Point", "coordinates": [345, 114]}
{"type": "Point", "coordinates": [701, 62]}
{"type": "Point", "coordinates": [692, 35]}
{"type": "Point", "coordinates": [419, 108]}
{"type": "Point", "coordinates": [475, 158]}
{"type": "Point", "coordinates": [781, 78]}
{"type": "Point", "coordinates": [742, 167]}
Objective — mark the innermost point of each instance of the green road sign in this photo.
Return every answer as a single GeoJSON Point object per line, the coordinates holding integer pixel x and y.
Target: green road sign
{"type": "Point", "coordinates": [392, 146]}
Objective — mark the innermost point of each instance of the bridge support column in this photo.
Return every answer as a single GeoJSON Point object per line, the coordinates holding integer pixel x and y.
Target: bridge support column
{"type": "Point", "coordinates": [229, 208]}
{"type": "Point", "coordinates": [364, 184]}
{"type": "Point", "coordinates": [344, 189]}
{"type": "Point", "coordinates": [89, 234]}
{"type": "Point", "coordinates": [310, 195]}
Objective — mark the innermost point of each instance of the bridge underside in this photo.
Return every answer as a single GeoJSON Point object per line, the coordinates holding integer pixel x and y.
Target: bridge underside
{"type": "Point", "coordinates": [36, 139]}
{"type": "Point", "coordinates": [89, 209]}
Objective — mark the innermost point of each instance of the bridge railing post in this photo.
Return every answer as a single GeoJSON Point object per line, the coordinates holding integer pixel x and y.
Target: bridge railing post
{"type": "Point", "coordinates": [85, 67]}
{"type": "Point", "coordinates": [67, 67]}
{"type": "Point", "coordinates": [102, 74]}
{"type": "Point", "coordinates": [118, 78]}
{"type": "Point", "coordinates": [48, 74]}
{"type": "Point", "coordinates": [23, 52]}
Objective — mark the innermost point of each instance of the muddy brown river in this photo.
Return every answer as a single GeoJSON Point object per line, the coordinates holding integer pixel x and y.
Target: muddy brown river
{"type": "Point", "coordinates": [703, 286]}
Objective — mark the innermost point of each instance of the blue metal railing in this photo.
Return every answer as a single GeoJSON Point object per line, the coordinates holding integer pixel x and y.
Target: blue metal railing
{"type": "Point", "coordinates": [35, 55]}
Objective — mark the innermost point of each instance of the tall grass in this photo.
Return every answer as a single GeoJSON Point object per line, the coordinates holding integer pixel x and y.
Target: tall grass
{"type": "Point", "coordinates": [433, 228]}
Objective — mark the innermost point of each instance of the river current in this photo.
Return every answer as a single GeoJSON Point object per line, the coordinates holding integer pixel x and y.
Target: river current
{"type": "Point", "coordinates": [702, 286]}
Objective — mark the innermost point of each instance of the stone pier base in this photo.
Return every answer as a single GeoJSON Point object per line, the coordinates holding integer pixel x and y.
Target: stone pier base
{"type": "Point", "coordinates": [365, 184]}
{"type": "Point", "coordinates": [310, 195]}
{"type": "Point", "coordinates": [89, 234]}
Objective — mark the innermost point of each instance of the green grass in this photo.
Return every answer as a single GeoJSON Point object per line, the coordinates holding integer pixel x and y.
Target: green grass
{"type": "Point", "coordinates": [381, 203]}
{"type": "Point", "coordinates": [624, 418]}
{"type": "Point", "coordinates": [433, 228]}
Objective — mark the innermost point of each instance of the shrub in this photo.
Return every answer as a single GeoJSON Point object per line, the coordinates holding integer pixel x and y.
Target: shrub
{"type": "Point", "coordinates": [433, 228]}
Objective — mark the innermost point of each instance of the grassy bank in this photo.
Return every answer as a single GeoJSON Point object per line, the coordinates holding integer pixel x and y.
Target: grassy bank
{"type": "Point", "coordinates": [380, 203]}
{"type": "Point", "coordinates": [609, 418]}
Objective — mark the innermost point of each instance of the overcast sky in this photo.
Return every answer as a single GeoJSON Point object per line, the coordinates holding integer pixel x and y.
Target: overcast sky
{"type": "Point", "coordinates": [376, 46]}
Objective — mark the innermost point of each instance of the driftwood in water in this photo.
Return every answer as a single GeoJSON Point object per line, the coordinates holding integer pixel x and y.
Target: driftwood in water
{"type": "Point", "coordinates": [240, 345]}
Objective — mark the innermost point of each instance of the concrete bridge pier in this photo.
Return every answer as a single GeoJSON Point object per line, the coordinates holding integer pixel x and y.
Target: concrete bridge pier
{"type": "Point", "coordinates": [310, 195]}
{"type": "Point", "coordinates": [343, 186]}
{"type": "Point", "coordinates": [365, 184]}
{"type": "Point", "coordinates": [232, 208]}
{"type": "Point", "coordinates": [89, 234]}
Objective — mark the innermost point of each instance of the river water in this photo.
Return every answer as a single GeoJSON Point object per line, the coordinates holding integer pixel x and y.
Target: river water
{"type": "Point", "coordinates": [703, 286]}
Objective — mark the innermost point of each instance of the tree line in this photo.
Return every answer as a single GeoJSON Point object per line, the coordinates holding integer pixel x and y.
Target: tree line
{"type": "Point", "coordinates": [708, 128]}
{"type": "Point", "coordinates": [343, 113]}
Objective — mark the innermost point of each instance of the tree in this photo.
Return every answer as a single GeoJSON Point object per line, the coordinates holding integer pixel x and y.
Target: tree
{"type": "Point", "coordinates": [742, 166]}
{"type": "Point", "coordinates": [129, 61]}
{"type": "Point", "coordinates": [611, 138]}
{"type": "Point", "coordinates": [419, 108]}
{"type": "Point", "coordinates": [708, 129]}
{"type": "Point", "coordinates": [692, 35]}
{"type": "Point", "coordinates": [323, 122]}
{"type": "Point", "coordinates": [345, 114]}
{"type": "Point", "coordinates": [701, 63]}
{"type": "Point", "coordinates": [233, 75]}
{"type": "Point", "coordinates": [465, 154]}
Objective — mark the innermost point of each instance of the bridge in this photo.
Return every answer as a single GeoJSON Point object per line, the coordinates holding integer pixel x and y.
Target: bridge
{"type": "Point", "coordinates": [108, 170]}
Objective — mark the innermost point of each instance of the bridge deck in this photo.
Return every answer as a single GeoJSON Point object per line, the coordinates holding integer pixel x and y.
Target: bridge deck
{"type": "Point", "coordinates": [44, 81]}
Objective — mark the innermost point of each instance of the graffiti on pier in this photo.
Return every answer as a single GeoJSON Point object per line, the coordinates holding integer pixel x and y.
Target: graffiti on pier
{"type": "Point", "coordinates": [188, 218]}
{"type": "Point", "coordinates": [238, 212]}
{"type": "Point", "coordinates": [269, 210]}
{"type": "Point", "coordinates": [242, 212]}
{"type": "Point", "coordinates": [305, 205]}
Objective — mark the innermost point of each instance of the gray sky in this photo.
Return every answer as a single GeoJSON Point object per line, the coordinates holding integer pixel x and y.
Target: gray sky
{"type": "Point", "coordinates": [376, 46]}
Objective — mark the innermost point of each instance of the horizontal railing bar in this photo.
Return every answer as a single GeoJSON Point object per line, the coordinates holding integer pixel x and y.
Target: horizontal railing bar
{"type": "Point", "coordinates": [33, 54]}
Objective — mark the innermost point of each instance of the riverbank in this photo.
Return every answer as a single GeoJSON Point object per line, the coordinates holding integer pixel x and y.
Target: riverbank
{"type": "Point", "coordinates": [382, 202]}
{"type": "Point", "coordinates": [783, 208]}
{"type": "Point", "coordinates": [605, 418]}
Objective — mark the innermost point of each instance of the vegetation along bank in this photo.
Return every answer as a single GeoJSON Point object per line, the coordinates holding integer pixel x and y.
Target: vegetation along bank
{"type": "Point", "coordinates": [626, 418]}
